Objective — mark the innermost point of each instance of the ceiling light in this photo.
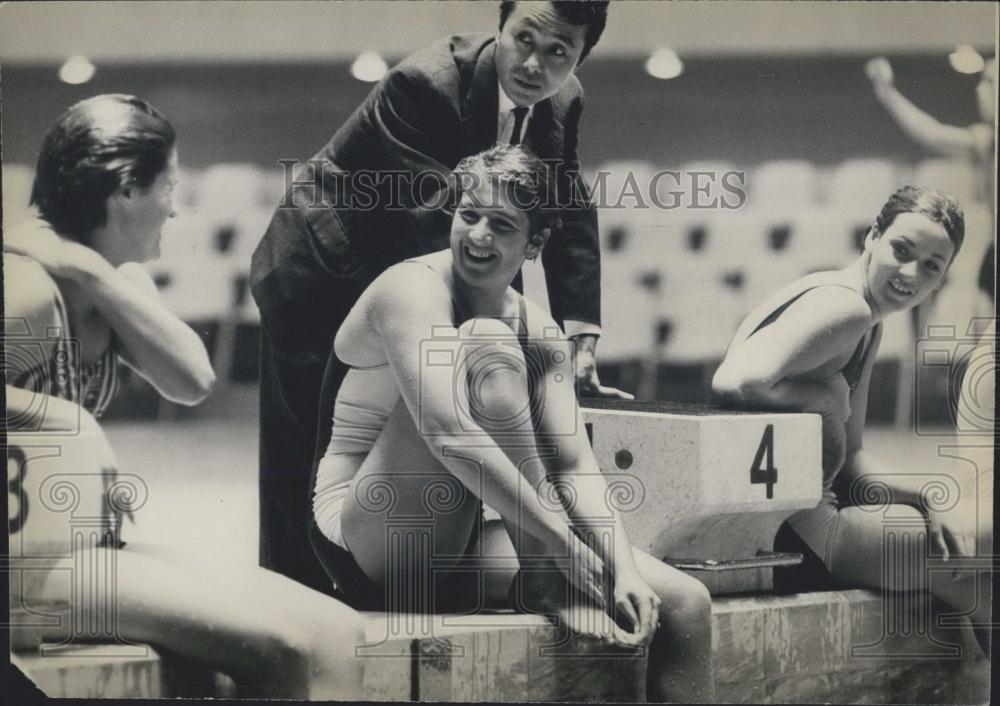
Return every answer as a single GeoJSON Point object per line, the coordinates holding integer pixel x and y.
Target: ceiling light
{"type": "Point", "coordinates": [664, 63]}
{"type": "Point", "coordinates": [76, 70]}
{"type": "Point", "coordinates": [369, 66]}
{"type": "Point", "coordinates": [966, 60]}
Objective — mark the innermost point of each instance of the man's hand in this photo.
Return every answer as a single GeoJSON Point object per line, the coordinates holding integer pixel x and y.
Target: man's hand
{"type": "Point", "coordinates": [587, 382]}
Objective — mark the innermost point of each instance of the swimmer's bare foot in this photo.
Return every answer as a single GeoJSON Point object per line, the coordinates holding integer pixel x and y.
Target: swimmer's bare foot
{"type": "Point", "coordinates": [546, 592]}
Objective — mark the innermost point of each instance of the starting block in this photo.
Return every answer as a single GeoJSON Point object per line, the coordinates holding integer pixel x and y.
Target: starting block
{"type": "Point", "coordinates": [708, 488]}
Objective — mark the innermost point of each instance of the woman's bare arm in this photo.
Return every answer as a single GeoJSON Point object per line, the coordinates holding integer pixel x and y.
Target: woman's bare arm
{"type": "Point", "coordinates": [160, 346]}
{"type": "Point", "coordinates": [918, 125]}
{"type": "Point", "coordinates": [768, 368]}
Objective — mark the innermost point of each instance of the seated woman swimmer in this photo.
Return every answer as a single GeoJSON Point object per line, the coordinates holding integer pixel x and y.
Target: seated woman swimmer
{"type": "Point", "coordinates": [460, 393]}
{"type": "Point", "coordinates": [75, 286]}
{"type": "Point", "coordinates": [811, 348]}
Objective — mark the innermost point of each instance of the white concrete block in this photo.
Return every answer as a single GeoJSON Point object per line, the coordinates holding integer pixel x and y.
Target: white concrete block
{"type": "Point", "coordinates": [699, 483]}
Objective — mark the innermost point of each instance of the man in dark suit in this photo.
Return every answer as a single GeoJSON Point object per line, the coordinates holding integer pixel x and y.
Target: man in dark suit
{"type": "Point", "coordinates": [360, 209]}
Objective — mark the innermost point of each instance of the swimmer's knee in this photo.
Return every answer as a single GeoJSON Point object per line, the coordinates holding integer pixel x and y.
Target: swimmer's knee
{"type": "Point", "coordinates": [495, 370]}
{"type": "Point", "coordinates": [688, 606]}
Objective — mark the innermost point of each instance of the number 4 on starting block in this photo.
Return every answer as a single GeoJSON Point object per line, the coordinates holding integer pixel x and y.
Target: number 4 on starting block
{"type": "Point", "coordinates": [769, 474]}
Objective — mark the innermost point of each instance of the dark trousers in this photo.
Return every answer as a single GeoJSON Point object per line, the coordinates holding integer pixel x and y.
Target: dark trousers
{"type": "Point", "coordinates": [304, 294]}
{"type": "Point", "coordinates": [291, 415]}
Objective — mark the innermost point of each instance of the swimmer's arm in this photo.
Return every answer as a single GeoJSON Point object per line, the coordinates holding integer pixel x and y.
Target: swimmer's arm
{"type": "Point", "coordinates": [761, 371]}
{"type": "Point", "coordinates": [561, 426]}
{"type": "Point", "coordinates": [868, 479]}
{"type": "Point", "coordinates": [411, 314]}
{"type": "Point", "coordinates": [948, 140]}
{"type": "Point", "coordinates": [861, 468]}
{"type": "Point", "coordinates": [592, 507]}
{"type": "Point", "coordinates": [157, 344]}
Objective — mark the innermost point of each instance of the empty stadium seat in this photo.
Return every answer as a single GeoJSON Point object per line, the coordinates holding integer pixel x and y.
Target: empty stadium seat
{"type": "Point", "coordinates": [952, 176]}
{"type": "Point", "coordinates": [824, 239]}
{"type": "Point", "coordinates": [629, 299]}
{"type": "Point", "coordinates": [859, 187]}
{"type": "Point", "coordinates": [273, 188]}
{"type": "Point", "coordinates": [703, 185]}
{"type": "Point", "coordinates": [623, 183]}
{"type": "Point", "coordinates": [227, 189]}
{"type": "Point", "coordinates": [783, 185]}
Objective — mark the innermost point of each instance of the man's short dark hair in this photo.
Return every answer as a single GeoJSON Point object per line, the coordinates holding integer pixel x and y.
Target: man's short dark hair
{"type": "Point", "coordinates": [592, 13]}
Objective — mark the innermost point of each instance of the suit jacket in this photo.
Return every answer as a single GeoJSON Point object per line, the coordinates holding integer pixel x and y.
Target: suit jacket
{"type": "Point", "coordinates": [431, 110]}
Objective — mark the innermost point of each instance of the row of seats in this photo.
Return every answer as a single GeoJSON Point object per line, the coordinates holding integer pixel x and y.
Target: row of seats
{"type": "Point", "coordinates": [676, 281]}
{"type": "Point", "coordinates": [856, 187]}
{"type": "Point", "coordinates": [681, 284]}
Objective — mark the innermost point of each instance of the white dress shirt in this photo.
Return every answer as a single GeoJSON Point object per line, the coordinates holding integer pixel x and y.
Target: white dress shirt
{"type": "Point", "coordinates": [505, 117]}
{"type": "Point", "coordinates": [505, 127]}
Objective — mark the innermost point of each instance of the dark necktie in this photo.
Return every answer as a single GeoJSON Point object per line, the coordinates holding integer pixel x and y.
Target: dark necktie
{"type": "Point", "coordinates": [519, 115]}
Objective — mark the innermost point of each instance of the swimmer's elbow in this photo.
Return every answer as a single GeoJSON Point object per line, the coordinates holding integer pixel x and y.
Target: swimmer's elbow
{"type": "Point", "coordinates": [729, 387]}
{"type": "Point", "coordinates": [195, 388]}
{"type": "Point", "coordinates": [202, 384]}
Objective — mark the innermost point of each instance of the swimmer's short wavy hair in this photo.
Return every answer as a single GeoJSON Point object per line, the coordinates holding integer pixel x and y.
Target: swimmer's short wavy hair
{"type": "Point", "coordinates": [938, 207]}
{"type": "Point", "coordinates": [592, 13]}
{"type": "Point", "coordinates": [96, 146]}
{"type": "Point", "coordinates": [516, 167]}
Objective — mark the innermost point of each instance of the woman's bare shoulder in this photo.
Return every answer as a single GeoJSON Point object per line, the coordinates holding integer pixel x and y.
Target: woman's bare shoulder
{"type": "Point", "coordinates": [819, 312]}
{"type": "Point", "coordinates": [839, 305]}
{"type": "Point", "coordinates": [30, 296]}
{"type": "Point", "coordinates": [829, 297]}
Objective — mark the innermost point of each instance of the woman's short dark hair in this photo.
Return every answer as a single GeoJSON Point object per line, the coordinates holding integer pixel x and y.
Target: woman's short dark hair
{"type": "Point", "coordinates": [518, 169]}
{"type": "Point", "coordinates": [95, 147]}
{"type": "Point", "coordinates": [592, 13]}
{"type": "Point", "coordinates": [938, 207]}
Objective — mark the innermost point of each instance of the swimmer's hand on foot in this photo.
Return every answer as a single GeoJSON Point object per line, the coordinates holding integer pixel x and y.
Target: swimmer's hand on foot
{"type": "Point", "coordinates": [639, 604]}
{"type": "Point", "coordinates": [585, 571]}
